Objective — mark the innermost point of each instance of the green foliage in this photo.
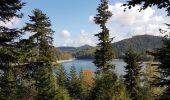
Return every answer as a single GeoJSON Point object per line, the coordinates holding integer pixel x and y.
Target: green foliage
{"type": "Point", "coordinates": [149, 89]}
{"type": "Point", "coordinates": [120, 90]}
{"type": "Point", "coordinates": [104, 88]}
{"type": "Point", "coordinates": [85, 53]}
{"type": "Point", "coordinates": [162, 55]}
{"type": "Point", "coordinates": [133, 73]}
{"type": "Point", "coordinates": [26, 90]}
{"type": "Point", "coordinates": [60, 55]}
{"type": "Point", "coordinates": [74, 84]}
{"type": "Point", "coordinates": [161, 4]}
{"type": "Point", "coordinates": [140, 43]}
{"type": "Point", "coordinates": [61, 76]}
{"type": "Point", "coordinates": [9, 9]}
{"type": "Point", "coordinates": [104, 53]}
{"type": "Point", "coordinates": [46, 85]}
{"type": "Point", "coordinates": [62, 94]}
{"type": "Point", "coordinates": [8, 86]}
{"type": "Point", "coordinates": [43, 69]}
{"type": "Point", "coordinates": [8, 51]}
{"type": "Point", "coordinates": [64, 56]}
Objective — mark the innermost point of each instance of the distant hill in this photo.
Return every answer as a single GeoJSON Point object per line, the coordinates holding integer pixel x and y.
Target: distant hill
{"type": "Point", "coordinates": [84, 47]}
{"type": "Point", "coordinates": [140, 43]}
{"type": "Point", "coordinates": [67, 49]}
{"type": "Point", "coordinates": [74, 49]}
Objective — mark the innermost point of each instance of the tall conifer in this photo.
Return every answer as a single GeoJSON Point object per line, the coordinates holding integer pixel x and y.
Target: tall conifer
{"type": "Point", "coordinates": [163, 56]}
{"type": "Point", "coordinates": [8, 52]}
{"type": "Point", "coordinates": [104, 53]}
{"type": "Point", "coordinates": [133, 73]}
{"type": "Point", "coordinates": [106, 78]}
{"type": "Point", "coordinates": [42, 40]}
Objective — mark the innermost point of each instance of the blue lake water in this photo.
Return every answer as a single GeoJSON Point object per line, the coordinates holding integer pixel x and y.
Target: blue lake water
{"type": "Point", "coordinates": [87, 64]}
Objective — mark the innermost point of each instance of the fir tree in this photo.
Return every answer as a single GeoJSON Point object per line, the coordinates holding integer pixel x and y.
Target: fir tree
{"type": "Point", "coordinates": [42, 40]}
{"type": "Point", "coordinates": [9, 9]}
{"type": "Point", "coordinates": [104, 87]}
{"type": "Point", "coordinates": [163, 56]}
{"type": "Point", "coordinates": [104, 53]}
{"type": "Point", "coordinates": [8, 52]}
{"type": "Point", "coordinates": [133, 73]}
{"type": "Point", "coordinates": [61, 76]}
{"type": "Point", "coordinates": [74, 84]}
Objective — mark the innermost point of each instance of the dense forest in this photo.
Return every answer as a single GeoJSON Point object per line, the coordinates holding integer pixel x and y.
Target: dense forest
{"type": "Point", "coordinates": [60, 55]}
{"type": "Point", "coordinates": [140, 43]}
{"type": "Point", "coordinates": [29, 71]}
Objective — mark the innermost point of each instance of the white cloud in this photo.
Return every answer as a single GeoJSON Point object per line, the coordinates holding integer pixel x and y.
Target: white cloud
{"type": "Point", "coordinates": [86, 38]}
{"type": "Point", "coordinates": [122, 25]}
{"type": "Point", "coordinates": [91, 19]}
{"type": "Point", "coordinates": [65, 34]}
{"type": "Point", "coordinates": [132, 22]}
{"type": "Point", "coordinates": [83, 39]}
{"type": "Point", "coordinates": [10, 24]}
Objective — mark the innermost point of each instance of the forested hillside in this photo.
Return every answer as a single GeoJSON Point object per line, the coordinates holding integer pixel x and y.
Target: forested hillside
{"type": "Point", "coordinates": [140, 43]}
{"type": "Point", "coordinates": [60, 55]}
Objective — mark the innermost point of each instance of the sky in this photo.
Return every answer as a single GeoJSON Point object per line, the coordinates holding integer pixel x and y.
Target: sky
{"type": "Point", "coordinates": [72, 20]}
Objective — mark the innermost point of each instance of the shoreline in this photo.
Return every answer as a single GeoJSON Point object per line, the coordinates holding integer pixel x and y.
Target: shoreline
{"type": "Point", "coordinates": [62, 61]}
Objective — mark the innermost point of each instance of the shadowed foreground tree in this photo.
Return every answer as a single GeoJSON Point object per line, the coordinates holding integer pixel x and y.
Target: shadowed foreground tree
{"type": "Point", "coordinates": [133, 74]}
{"type": "Point", "coordinates": [163, 56]}
{"type": "Point", "coordinates": [8, 52]}
{"type": "Point", "coordinates": [61, 76]}
{"type": "Point", "coordinates": [45, 81]}
{"type": "Point", "coordinates": [74, 86]}
{"type": "Point", "coordinates": [161, 4]}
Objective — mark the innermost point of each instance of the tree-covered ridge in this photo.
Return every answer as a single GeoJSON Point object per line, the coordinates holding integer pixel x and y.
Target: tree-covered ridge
{"type": "Point", "coordinates": [60, 55]}
{"type": "Point", "coordinates": [140, 43]}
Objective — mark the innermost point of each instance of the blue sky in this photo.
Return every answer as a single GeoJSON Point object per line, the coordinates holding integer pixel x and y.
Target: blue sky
{"type": "Point", "coordinates": [73, 25]}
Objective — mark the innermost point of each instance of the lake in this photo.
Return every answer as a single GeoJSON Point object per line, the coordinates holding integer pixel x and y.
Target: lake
{"type": "Point", "coordinates": [87, 64]}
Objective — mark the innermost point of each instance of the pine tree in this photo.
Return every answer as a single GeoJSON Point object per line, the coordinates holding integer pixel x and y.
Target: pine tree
{"type": "Point", "coordinates": [61, 76]}
{"type": "Point", "coordinates": [104, 87]}
{"type": "Point", "coordinates": [9, 9]}
{"type": "Point", "coordinates": [133, 74]}
{"type": "Point", "coordinates": [163, 56]}
{"type": "Point", "coordinates": [8, 52]}
{"type": "Point", "coordinates": [42, 40]}
{"type": "Point", "coordinates": [104, 53]}
{"type": "Point", "coordinates": [74, 87]}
